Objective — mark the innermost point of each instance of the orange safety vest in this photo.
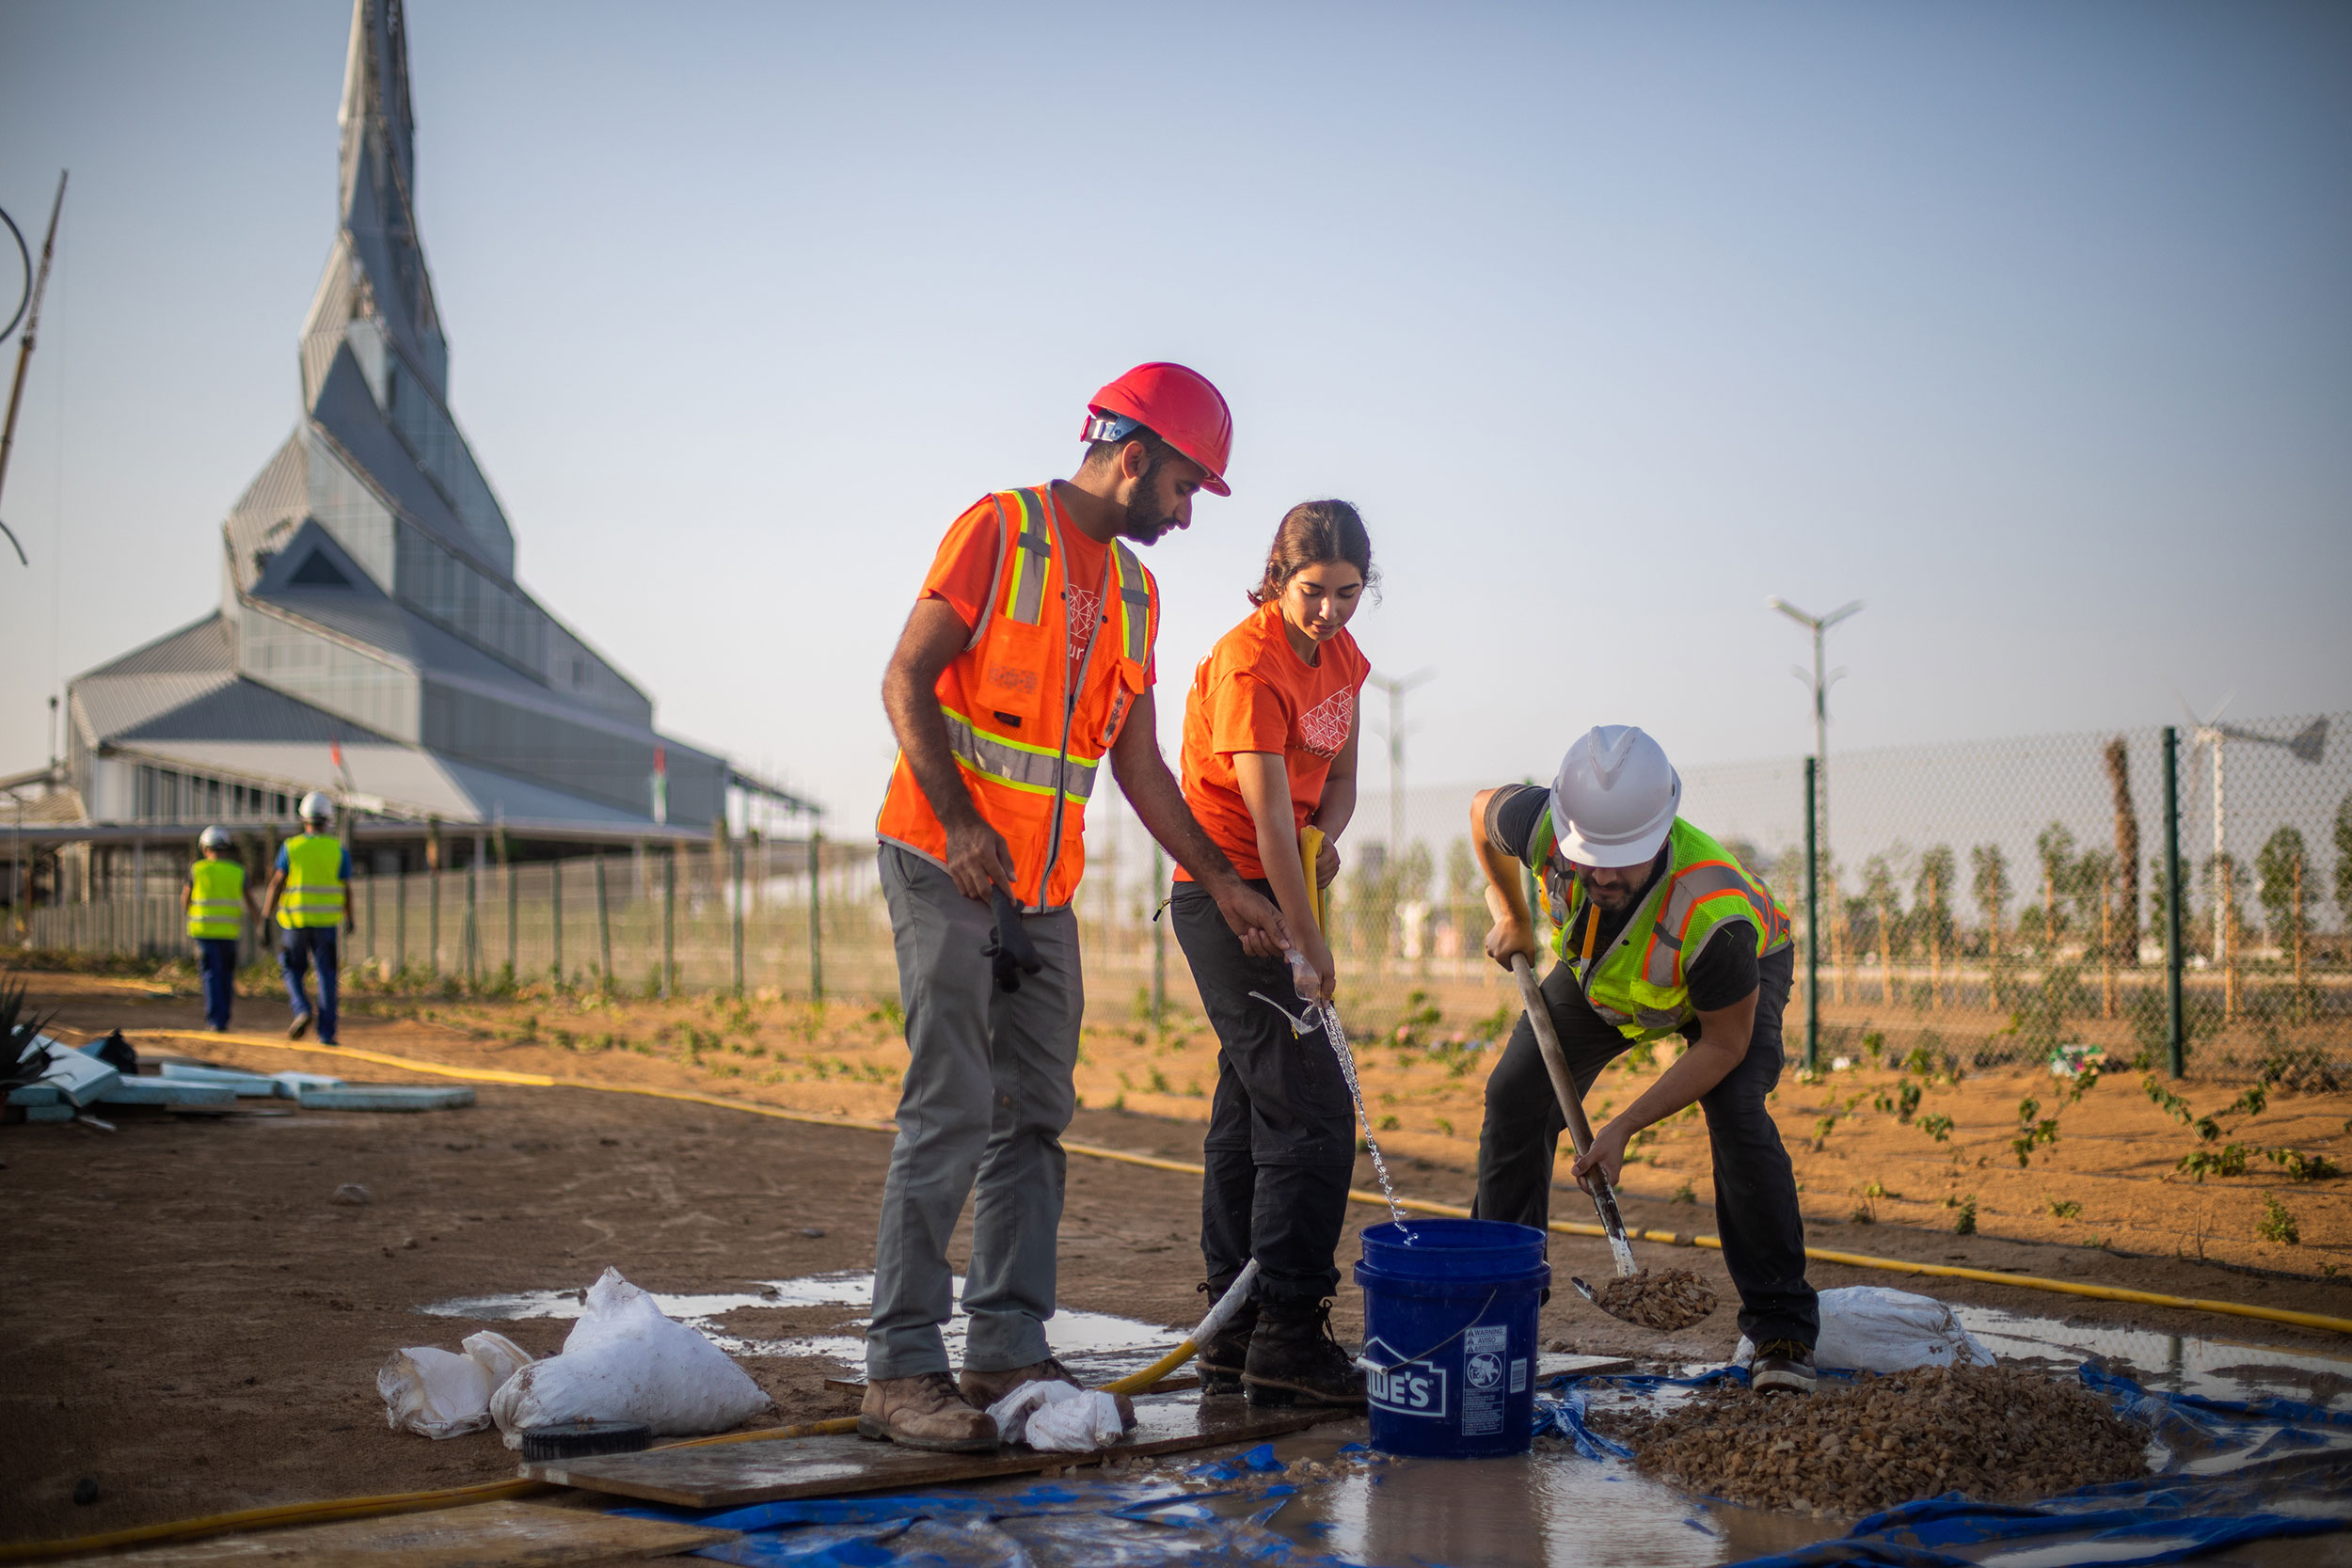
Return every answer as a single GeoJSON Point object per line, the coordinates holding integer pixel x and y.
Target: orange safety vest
{"type": "Point", "coordinates": [1028, 745]}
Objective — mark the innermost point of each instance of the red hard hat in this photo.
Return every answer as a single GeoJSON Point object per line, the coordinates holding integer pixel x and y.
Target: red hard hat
{"type": "Point", "coordinates": [1179, 405]}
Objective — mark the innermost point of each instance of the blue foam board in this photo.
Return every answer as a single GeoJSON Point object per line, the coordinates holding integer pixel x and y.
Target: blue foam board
{"type": "Point", "coordinates": [386, 1096]}
{"type": "Point", "coordinates": [168, 1091]}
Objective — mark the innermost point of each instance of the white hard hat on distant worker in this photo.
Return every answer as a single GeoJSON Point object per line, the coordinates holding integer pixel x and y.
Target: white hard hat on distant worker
{"type": "Point", "coordinates": [316, 807]}
{"type": "Point", "coordinates": [214, 838]}
{"type": "Point", "coordinates": [1616, 799]}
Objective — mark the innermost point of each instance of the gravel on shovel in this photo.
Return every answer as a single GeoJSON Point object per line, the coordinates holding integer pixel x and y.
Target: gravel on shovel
{"type": "Point", "coordinates": [1997, 1434]}
{"type": "Point", "coordinates": [1667, 1300]}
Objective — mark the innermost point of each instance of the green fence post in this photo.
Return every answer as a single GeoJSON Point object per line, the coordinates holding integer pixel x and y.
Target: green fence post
{"type": "Point", "coordinates": [513, 907]}
{"type": "Point", "coordinates": [433, 900]}
{"type": "Point", "coordinates": [738, 868]}
{"type": "Point", "coordinates": [816, 919]}
{"type": "Point", "coordinates": [474, 917]}
{"type": "Point", "coordinates": [604, 922]}
{"type": "Point", "coordinates": [1812, 920]}
{"type": "Point", "coordinates": [1159, 939]}
{"type": "Point", "coordinates": [400, 919]}
{"type": "Point", "coordinates": [2175, 1036]}
{"type": "Point", "coordinates": [555, 906]}
{"type": "Point", "coordinates": [669, 922]}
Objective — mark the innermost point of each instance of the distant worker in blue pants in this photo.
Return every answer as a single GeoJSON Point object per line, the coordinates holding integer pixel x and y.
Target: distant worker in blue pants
{"type": "Point", "coordinates": [306, 895]}
{"type": "Point", "coordinates": [219, 905]}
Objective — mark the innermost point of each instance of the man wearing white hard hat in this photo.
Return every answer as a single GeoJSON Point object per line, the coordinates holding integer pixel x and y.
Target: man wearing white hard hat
{"type": "Point", "coordinates": [307, 895]}
{"type": "Point", "coordinates": [218, 904]}
{"type": "Point", "coordinates": [1660, 932]}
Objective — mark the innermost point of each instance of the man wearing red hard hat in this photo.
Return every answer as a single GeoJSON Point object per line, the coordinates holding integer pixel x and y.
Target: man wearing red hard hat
{"type": "Point", "coordinates": [1025, 667]}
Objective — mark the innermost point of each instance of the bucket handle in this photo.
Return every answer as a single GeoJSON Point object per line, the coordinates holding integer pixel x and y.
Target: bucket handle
{"type": "Point", "coordinates": [1367, 1364]}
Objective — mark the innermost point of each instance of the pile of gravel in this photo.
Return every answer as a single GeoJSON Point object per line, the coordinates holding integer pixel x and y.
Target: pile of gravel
{"type": "Point", "coordinates": [1997, 1433]}
{"type": "Point", "coordinates": [1668, 1300]}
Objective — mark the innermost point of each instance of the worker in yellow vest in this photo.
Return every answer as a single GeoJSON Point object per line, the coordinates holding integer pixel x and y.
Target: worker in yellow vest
{"type": "Point", "coordinates": [1660, 933]}
{"type": "Point", "coordinates": [306, 895]}
{"type": "Point", "coordinates": [218, 903]}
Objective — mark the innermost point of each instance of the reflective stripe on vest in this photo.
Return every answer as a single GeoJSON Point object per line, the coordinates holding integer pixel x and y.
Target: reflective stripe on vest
{"type": "Point", "coordinates": [313, 893]}
{"type": "Point", "coordinates": [1012, 762]}
{"type": "Point", "coordinates": [1642, 991]}
{"type": "Point", "coordinates": [1032, 561]}
{"type": "Point", "coordinates": [217, 901]}
{"type": "Point", "coordinates": [1135, 605]}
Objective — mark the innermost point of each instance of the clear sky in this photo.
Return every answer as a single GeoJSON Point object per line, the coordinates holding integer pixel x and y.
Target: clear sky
{"type": "Point", "coordinates": [2032, 326]}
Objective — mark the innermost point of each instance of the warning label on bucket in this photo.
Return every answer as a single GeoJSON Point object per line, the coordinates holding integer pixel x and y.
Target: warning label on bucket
{"type": "Point", "coordinates": [1482, 1350]}
{"type": "Point", "coordinates": [1405, 1388]}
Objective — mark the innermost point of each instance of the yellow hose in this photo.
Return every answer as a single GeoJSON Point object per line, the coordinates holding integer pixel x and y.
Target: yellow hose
{"type": "Point", "coordinates": [271, 1519]}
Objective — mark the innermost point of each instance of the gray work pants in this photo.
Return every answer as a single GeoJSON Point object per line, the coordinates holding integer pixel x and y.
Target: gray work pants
{"type": "Point", "coordinates": [987, 1095]}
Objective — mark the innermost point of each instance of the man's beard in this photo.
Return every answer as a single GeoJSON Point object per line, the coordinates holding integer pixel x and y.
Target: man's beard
{"type": "Point", "coordinates": [1145, 523]}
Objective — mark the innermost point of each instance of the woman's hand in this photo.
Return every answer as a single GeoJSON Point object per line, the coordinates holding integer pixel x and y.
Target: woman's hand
{"type": "Point", "coordinates": [1318, 953]}
{"type": "Point", "coordinates": [1607, 1155]}
{"type": "Point", "coordinates": [1326, 864]}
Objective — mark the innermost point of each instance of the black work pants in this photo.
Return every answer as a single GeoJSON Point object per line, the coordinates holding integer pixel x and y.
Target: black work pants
{"type": "Point", "coordinates": [1281, 1143]}
{"type": "Point", "coordinates": [1756, 1188]}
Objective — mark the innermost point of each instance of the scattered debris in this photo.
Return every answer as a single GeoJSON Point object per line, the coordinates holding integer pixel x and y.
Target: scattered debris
{"type": "Point", "coordinates": [1999, 1433]}
{"type": "Point", "coordinates": [353, 1194]}
{"type": "Point", "coordinates": [1668, 1300]}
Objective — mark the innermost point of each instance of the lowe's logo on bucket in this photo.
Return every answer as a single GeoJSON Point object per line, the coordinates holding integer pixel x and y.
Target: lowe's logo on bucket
{"type": "Point", "coordinates": [1404, 1388]}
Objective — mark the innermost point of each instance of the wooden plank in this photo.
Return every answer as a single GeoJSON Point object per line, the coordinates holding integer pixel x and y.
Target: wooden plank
{"type": "Point", "coordinates": [1554, 1363]}
{"type": "Point", "coordinates": [730, 1475]}
{"type": "Point", "coordinates": [504, 1534]}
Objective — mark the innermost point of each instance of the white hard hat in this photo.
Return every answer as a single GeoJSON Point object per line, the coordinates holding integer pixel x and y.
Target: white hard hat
{"type": "Point", "coordinates": [214, 838]}
{"type": "Point", "coordinates": [1615, 797]}
{"type": "Point", "coordinates": [316, 807]}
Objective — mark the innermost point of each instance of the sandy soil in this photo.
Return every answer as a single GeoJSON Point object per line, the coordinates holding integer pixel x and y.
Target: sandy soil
{"type": "Point", "coordinates": [190, 1321]}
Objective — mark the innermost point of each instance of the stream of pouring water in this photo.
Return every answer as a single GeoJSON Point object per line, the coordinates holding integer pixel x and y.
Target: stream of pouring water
{"type": "Point", "coordinates": [1304, 982]}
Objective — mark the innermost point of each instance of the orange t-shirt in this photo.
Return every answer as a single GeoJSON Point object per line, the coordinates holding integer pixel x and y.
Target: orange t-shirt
{"type": "Point", "coordinates": [1253, 693]}
{"type": "Point", "coordinates": [966, 563]}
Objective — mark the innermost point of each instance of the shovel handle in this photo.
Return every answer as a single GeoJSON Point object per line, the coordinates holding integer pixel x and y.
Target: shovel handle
{"type": "Point", "coordinates": [1572, 1107]}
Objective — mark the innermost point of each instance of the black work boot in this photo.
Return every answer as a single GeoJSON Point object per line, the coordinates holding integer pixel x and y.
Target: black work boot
{"type": "Point", "coordinates": [1221, 1359]}
{"type": "Point", "coordinates": [1294, 1360]}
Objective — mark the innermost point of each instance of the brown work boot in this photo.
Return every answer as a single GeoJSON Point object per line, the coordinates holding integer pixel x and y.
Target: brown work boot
{"type": "Point", "coordinates": [982, 1389]}
{"type": "Point", "coordinates": [1295, 1360]}
{"type": "Point", "coordinates": [1782, 1367]}
{"type": "Point", "coordinates": [924, 1412]}
{"type": "Point", "coordinates": [1222, 1358]}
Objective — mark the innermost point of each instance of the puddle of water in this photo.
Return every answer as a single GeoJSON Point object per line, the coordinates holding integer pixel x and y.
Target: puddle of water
{"type": "Point", "coordinates": [1108, 1341]}
{"type": "Point", "coordinates": [1533, 1509]}
{"type": "Point", "coordinates": [2177, 1364]}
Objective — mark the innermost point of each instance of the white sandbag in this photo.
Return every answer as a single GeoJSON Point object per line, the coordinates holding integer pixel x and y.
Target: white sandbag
{"type": "Point", "coordinates": [624, 1361]}
{"type": "Point", "coordinates": [1078, 1425]}
{"type": "Point", "coordinates": [1057, 1416]}
{"type": "Point", "coordinates": [1870, 1328]}
{"type": "Point", "coordinates": [434, 1393]}
{"type": "Point", "coordinates": [500, 1356]}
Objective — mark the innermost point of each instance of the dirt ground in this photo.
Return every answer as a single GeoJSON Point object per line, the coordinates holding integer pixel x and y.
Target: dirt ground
{"type": "Point", "coordinates": [192, 1324]}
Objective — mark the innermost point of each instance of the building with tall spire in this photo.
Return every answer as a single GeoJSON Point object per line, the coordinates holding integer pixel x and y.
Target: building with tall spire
{"type": "Point", "coordinates": [372, 638]}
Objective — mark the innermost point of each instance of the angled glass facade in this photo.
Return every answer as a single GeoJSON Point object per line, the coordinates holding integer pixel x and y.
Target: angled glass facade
{"type": "Point", "coordinates": [369, 569]}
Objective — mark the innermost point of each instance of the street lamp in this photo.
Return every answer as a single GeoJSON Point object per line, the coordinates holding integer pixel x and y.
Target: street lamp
{"type": "Point", "coordinates": [1819, 680]}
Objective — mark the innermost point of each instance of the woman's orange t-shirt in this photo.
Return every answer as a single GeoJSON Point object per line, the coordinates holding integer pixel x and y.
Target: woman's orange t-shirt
{"type": "Point", "coordinates": [1254, 693]}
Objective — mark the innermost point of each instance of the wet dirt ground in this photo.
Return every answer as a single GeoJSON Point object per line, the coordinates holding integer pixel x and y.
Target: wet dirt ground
{"type": "Point", "coordinates": [190, 1322]}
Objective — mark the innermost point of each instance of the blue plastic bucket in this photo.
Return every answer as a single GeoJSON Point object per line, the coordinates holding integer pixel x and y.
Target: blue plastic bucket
{"type": "Point", "coordinates": [1450, 1321]}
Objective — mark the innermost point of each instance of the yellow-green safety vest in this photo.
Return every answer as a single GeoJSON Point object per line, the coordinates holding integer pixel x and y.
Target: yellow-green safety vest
{"type": "Point", "coordinates": [313, 893]}
{"type": "Point", "coordinates": [217, 901]}
{"type": "Point", "coordinates": [1638, 983]}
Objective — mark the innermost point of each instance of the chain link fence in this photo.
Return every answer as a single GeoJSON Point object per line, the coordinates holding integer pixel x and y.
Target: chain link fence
{"type": "Point", "coordinates": [1983, 903]}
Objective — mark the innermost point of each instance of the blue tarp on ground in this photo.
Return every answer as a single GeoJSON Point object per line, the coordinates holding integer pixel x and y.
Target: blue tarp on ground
{"type": "Point", "coordinates": [1154, 1522]}
{"type": "Point", "coordinates": [2230, 1473]}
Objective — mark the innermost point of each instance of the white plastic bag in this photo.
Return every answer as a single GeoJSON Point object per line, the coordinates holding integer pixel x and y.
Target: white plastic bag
{"type": "Point", "coordinates": [1058, 1417]}
{"type": "Point", "coordinates": [624, 1361]}
{"type": "Point", "coordinates": [436, 1394]}
{"type": "Point", "coordinates": [1870, 1328]}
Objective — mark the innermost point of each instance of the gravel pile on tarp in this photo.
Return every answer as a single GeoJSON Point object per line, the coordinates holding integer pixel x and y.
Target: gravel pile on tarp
{"type": "Point", "coordinates": [1997, 1434]}
{"type": "Point", "coordinates": [1666, 1300]}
